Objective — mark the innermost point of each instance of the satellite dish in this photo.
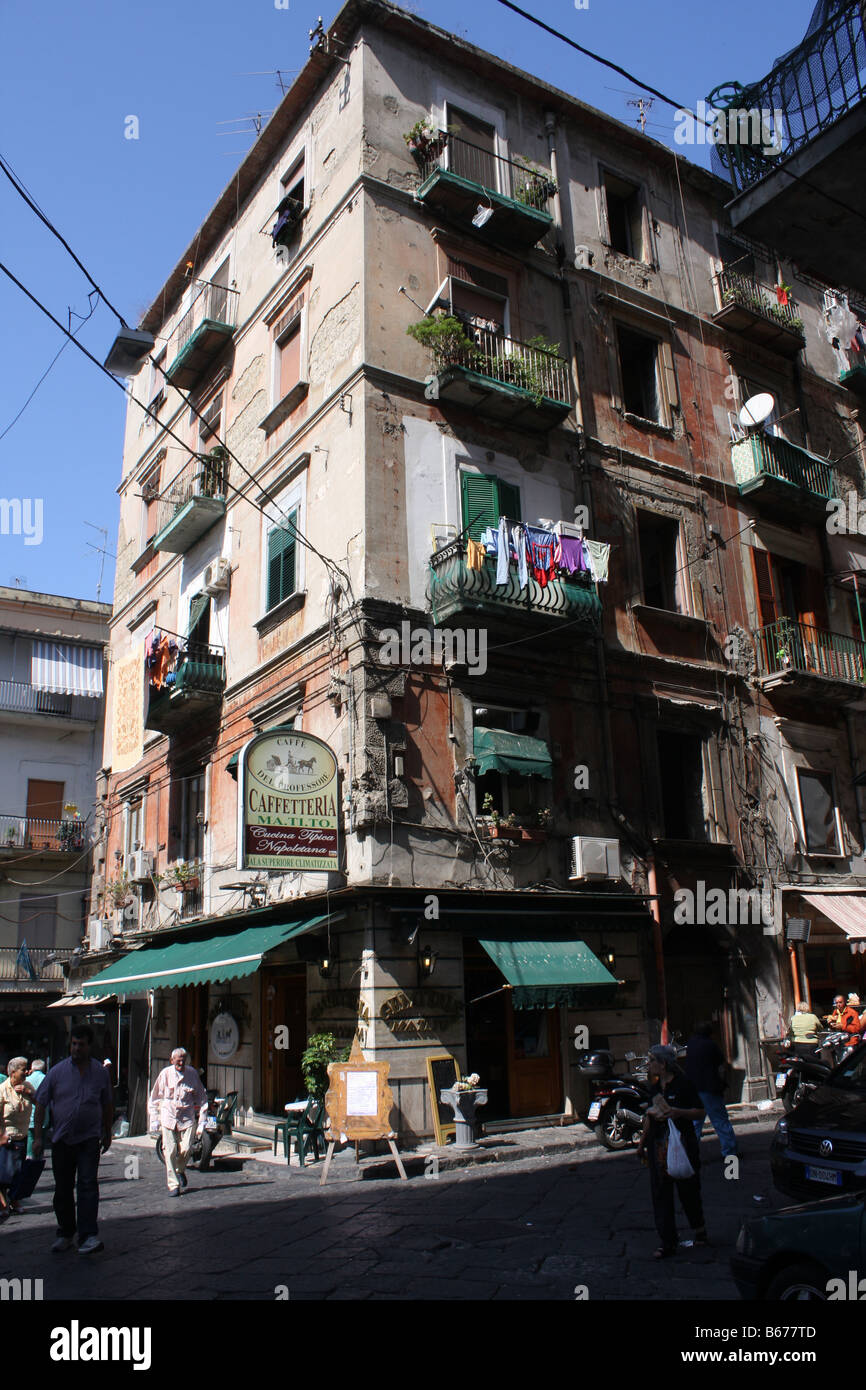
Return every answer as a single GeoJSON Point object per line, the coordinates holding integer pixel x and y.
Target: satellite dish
{"type": "Point", "coordinates": [757, 410]}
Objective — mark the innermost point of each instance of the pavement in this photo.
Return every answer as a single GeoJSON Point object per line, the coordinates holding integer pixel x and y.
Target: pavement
{"type": "Point", "coordinates": [574, 1222]}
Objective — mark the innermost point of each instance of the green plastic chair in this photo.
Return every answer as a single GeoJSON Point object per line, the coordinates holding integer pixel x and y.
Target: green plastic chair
{"type": "Point", "coordinates": [305, 1126]}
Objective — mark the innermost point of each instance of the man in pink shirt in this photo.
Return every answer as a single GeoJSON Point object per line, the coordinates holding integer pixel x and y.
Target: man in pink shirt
{"type": "Point", "coordinates": [178, 1106]}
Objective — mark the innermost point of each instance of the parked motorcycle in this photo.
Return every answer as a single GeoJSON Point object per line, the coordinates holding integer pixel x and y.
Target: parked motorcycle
{"type": "Point", "coordinates": [616, 1103]}
{"type": "Point", "coordinates": [217, 1124]}
{"type": "Point", "coordinates": [799, 1069]}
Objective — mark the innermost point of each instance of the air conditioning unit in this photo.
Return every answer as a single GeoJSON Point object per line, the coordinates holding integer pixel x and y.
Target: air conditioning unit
{"type": "Point", "coordinates": [216, 576]}
{"type": "Point", "coordinates": [568, 528]}
{"type": "Point", "coordinates": [140, 865]}
{"type": "Point", "coordinates": [593, 858]}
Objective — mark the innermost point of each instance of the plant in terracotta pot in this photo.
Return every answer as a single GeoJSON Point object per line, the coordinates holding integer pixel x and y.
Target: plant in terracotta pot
{"type": "Point", "coordinates": [118, 891]}
{"type": "Point", "coordinates": [185, 875]}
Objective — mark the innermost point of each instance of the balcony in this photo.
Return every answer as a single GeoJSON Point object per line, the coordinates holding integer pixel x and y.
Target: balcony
{"type": "Point", "coordinates": [40, 967]}
{"type": "Point", "coordinates": [202, 333]}
{"type": "Point", "coordinates": [754, 310]}
{"type": "Point", "coordinates": [771, 470]}
{"type": "Point", "coordinates": [798, 191]}
{"type": "Point", "coordinates": [18, 697]}
{"type": "Point", "coordinates": [854, 377]}
{"type": "Point", "coordinates": [456, 590]}
{"type": "Point", "coordinates": [31, 834]}
{"type": "Point", "coordinates": [504, 380]}
{"type": "Point", "coordinates": [808, 661]}
{"type": "Point", "coordinates": [192, 686]}
{"type": "Point", "coordinates": [193, 502]}
{"type": "Point", "coordinates": [457, 178]}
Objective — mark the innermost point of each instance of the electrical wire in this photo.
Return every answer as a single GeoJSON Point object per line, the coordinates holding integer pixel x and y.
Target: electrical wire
{"type": "Point", "coordinates": [93, 299]}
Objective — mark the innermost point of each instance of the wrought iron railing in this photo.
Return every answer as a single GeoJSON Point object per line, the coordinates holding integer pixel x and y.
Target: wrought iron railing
{"type": "Point", "coordinates": [543, 374]}
{"type": "Point", "coordinates": [811, 88]}
{"type": "Point", "coordinates": [533, 188]}
{"type": "Point", "coordinates": [35, 833]}
{"type": "Point", "coordinates": [20, 698]}
{"type": "Point", "coordinates": [45, 962]}
{"type": "Point", "coordinates": [787, 645]}
{"type": "Point", "coordinates": [751, 294]}
{"type": "Point", "coordinates": [216, 303]}
{"type": "Point", "coordinates": [770, 455]}
{"type": "Point", "coordinates": [198, 666]}
{"type": "Point", "coordinates": [454, 585]}
{"type": "Point", "coordinates": [207, 475]}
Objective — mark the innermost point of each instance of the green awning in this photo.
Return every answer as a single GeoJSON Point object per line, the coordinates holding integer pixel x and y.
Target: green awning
{"type": "Point", "coordinates": [216, 958]}
{"type": "Point", "coordinates": [544, 974]}
{"type": "Point", "coordinates": [496, 750]}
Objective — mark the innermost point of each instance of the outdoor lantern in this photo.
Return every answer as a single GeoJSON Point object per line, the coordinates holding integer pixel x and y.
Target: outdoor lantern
{"type": "Point", "coordinates": [128, 352]}
{"type": "Point", "coordinates": [327, 966]}
{"type": "Point", "coordinates": [426, 961]}
{"type": "Point", "coordinates": [608, 957]}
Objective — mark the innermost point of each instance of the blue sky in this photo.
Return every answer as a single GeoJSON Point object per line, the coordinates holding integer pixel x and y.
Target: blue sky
{"type": "Point", "coordinates": [74, 73]}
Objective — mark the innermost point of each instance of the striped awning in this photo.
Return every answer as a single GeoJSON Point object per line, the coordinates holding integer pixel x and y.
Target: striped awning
{"type": "Point", "coordinates": [847, 910]}
{"type": "Point", "coordinates": [66, 669]}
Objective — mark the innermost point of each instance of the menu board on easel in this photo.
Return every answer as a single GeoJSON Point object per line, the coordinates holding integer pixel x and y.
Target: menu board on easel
{"type": "Point", "coordinates": [358, 1104]}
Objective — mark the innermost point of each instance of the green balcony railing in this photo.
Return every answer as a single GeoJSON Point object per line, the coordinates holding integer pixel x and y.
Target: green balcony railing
{"type": "Point", "coordinates": [454, 587]}
{"type": "Point", "coordinates": [791, 646]}
{"type": "Point", "coordinates": [760, 299]}
{"type": "Point", "coordinates": [764, 456]}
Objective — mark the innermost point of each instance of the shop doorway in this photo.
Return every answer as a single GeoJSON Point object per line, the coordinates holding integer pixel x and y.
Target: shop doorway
{"type": "Point", "coordinates": [284, 1007]}
{"type": "Point", "coordinates": [192, 1024]}
{"type": "Point", "coordinates": [516, 1052]}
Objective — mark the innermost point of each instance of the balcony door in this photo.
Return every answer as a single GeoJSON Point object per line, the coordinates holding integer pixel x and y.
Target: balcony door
{"type": "Point", "coordinates": [472, 151]}
{"type": "Point", "coordinates": [198, 632]}
{"type": "Point", "coordinates": [44, 813]}
{"type": "Point", "coordinates": [484, 499]}
{"type": "Point", "coordinates": [283, 1036]}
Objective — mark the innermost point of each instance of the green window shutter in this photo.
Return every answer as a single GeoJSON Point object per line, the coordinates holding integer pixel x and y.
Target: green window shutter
{"type": "Point", "coordinates": [485, 500]}
{"type": "Point", "coordinates": [281, 562]}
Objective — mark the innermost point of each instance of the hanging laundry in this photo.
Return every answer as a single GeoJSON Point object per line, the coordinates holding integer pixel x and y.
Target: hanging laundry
{"type": "Point", "coordinates": [475, 554]}
{"type": "Point", "coordinates": [570, 555]}
{"type": "Point", "coordinates": [161, 663]}
{"type": "Point", "coordinates": [519, 544]}
{"type": "Point", "coordinates": [502, 552]}
{"type": "Point", "coordinates": [598, 554]}
{"type": "Point", "coordinates": [490, 540]}
{"type": "Point", "coordinates": [541, 544]}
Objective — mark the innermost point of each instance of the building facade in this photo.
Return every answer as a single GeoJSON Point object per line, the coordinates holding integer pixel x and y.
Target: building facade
{"type": "Point", "coordinates": [439, 303]}
{"type": "Point", "coordinates": [51, 729]}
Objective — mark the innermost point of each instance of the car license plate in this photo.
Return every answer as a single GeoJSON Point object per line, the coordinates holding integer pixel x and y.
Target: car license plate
{"type": "Point", "coordinates": [781, 1078]}
{"type": "Point", "coordinates": [594, 1110]}
{"type": "Point", "coordinates": [829, 1175]}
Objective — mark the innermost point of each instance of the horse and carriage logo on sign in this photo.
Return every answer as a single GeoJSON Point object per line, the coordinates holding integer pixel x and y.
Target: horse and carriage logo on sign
{"type": "Point", "coordinates": [282, 769]}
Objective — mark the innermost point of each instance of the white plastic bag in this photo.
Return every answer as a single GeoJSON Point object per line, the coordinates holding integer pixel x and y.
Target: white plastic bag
{"type": "Point", "coordinates": [677, 1160]}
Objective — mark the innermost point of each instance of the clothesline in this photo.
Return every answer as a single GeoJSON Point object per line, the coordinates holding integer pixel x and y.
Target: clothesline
{"type": "Point", "coordinates": [539, 551]}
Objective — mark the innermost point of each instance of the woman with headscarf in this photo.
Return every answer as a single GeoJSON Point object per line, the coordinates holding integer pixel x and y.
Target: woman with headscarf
{"type": "Point", "coordinates": [16, 1103]}
{"type": "Point", "coordinates": [676, 1101]}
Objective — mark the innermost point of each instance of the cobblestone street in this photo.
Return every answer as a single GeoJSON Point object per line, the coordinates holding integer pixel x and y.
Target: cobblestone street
{"type": "Point", "coordinates": [528, 1230]}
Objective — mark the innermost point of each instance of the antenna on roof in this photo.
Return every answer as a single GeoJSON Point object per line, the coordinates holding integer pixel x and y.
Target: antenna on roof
{"type": "Point", "coordinates": [644, 106]}
{"type": "Point", "coordinates": [323, 43]}
{"type": "Point", "coordinates": [102, 551]}
{"type": "Point", "coordinates": [274, 72]}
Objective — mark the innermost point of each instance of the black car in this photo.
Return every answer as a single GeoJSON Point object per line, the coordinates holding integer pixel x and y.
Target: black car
{"type": "Point", "coordinates": [820, 1147]}
{"type": "Point", "coordinates": [815, 1252]}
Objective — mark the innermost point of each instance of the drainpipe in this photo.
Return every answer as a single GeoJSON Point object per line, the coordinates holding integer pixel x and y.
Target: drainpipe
{"type": "Point", "coordinates": [658, 948]}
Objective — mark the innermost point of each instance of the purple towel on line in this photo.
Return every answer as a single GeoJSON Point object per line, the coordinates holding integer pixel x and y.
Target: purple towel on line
{"type": "Point", "coordinates": [570, 554]}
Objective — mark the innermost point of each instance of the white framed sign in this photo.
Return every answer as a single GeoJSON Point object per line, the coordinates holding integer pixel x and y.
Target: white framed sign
{"type": "Point", "coordinates": [287, 803]}
{"type": "Point", "coordinates": [225, 1037]}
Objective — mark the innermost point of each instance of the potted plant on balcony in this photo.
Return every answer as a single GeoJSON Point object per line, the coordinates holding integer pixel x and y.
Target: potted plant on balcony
{"type": "Point", "coordinates": [528, 370]}
{"type": "Point", "coordinates": [446, 339]}
{"type": "Point", "coordinates": [11, 837]}
{"type": "Point", "coordinates": [184, 875]}
{"type": "Point", "coordinates": [537, 186]}
{"type": "Point", "coordinates": [497, 827]}
{"type": "Point", "coordinates": [539, 831]}
{"type": "Point", "coordinates": [424, 140]}
{"type": "Point", "coordinates": [71, 833]}
{"type": "Point", "coordinates": [118, 891]}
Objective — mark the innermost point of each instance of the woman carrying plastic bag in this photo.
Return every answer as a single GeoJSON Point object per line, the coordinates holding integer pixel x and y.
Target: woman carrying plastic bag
{"type": "Point", "coordinates": [670, 1147]}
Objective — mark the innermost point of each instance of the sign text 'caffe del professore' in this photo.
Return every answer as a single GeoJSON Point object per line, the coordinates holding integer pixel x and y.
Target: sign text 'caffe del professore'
{"type": "Point", "coordinates": [287, 806]}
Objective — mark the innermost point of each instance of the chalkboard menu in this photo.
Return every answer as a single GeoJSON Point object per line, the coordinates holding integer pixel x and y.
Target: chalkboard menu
{"type": "Point", "coordinates": [442, 1072]}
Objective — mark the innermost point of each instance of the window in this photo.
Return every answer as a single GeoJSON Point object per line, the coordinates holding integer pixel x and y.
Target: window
{"type": "Point", "coordinates": [156, 388]}
{"type": "Point", "coordinates": [658, 540]}
{"type": "Point", "coordinates": [37, 921]}
{"type": "Point", "coordinates": [786, 589]}
{"type": "Point", "coordinates": [198, 629]}
{"type": "Point", "coordinates": [211, 418]}
{"type": "Point", "coordinates": [819, 816]}
{"type": "Point", "coordinates": [44, 812]}
{"type": "Point", "coordinates": [735, 258]}
{"type": "Point", "coordinates": [638, 362]}
{"type": "Point", "coordinates": [623, 205]}
{"type": "Point", "coordinates": [681, 783]}
{"type": "Point", "coordinates": [133, 830]}
{"type": "Point", "coordinates": [288, 361]}
{"type": "Point", "coordinates": [478, 297]}
{"type": "Point", "coordinates": [187, 828]}
{"type": "Point", "coordinates": [286, 229]}
{"type": "Point", "coordinates": [150, 500]}
{"type": "Point", "coordinates": [484, 500]}
{"type": "Point", "coordinates": [472, 148]}
{"type": "Point", "coordinates": [282, 547]}
{"type": "Point", "coordinates": [512, 792]}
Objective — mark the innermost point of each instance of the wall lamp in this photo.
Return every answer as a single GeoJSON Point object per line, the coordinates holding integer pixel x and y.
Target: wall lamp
{"type": "Point", "coordinates": [426, 962]}
{"type": "Point", "coordinates": [328, 966]}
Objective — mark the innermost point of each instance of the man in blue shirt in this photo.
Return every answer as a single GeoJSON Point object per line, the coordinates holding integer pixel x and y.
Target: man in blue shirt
{"type": "Point", "coordinates": [79, 1092]}
{"type": "Point", "coordinates": [705, 1068]}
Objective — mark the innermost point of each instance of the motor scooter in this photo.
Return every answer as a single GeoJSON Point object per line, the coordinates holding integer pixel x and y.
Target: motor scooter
{"type": "Point", "coordinates": [616, 1103]}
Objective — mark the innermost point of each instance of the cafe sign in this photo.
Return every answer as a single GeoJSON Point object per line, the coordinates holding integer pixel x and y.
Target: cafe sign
{"type": "Point", "coordinates": [287, 803]}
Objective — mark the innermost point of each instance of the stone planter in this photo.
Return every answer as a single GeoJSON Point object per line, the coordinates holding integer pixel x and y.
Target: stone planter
{"type": "Point", "coordinates": [463, 1104]}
